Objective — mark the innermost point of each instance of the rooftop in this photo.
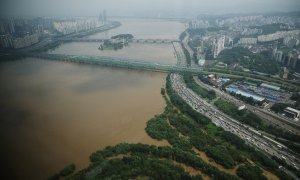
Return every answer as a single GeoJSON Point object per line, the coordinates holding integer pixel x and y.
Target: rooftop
{"type": "Point", "coordinates": [293, 110]}
{"type": "Point", "coordinates": [243, 93]}
{"type": "Point", "coordinates": [270, 86]}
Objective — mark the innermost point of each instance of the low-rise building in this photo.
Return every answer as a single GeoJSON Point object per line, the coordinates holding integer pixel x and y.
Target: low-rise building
{"type": "Point", "coordinates": [291, 112]}
{"type": "Point", "coordinates": [277, 35]}
{"type": "Point", "coordinates": [245, 94]}
{"type": "Point", "coordinates": [269, 86]}
{"type": "Point", "coordinates": [247, 41]}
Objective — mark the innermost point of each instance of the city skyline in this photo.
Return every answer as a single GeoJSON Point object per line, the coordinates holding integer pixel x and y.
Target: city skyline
{"type": "Point", "coordinates": [167, 8]}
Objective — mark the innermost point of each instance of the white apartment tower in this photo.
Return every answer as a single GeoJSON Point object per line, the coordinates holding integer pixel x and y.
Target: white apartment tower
{"type": "Point", "coordinates": [218, 45]}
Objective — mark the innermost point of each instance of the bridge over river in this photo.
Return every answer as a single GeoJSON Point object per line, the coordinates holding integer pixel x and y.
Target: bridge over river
{"type": "Point", "coordinates": [116, 62]}
{"type": "Point", "coordinates": [161, 41]}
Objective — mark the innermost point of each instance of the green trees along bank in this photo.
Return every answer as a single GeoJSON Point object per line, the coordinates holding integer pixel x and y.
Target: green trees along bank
{"type": "Point", "coordinates": [185, 130]}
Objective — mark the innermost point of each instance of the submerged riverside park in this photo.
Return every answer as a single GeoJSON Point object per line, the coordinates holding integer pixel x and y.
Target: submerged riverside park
{"type": "Point", "coordinates": [57, 113]}
{"type": "Point", "coordinates": [141, 126]}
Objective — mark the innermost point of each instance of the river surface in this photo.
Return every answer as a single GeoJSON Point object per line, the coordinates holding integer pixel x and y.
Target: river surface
{"type": "Point", "coordinates": [159, 53]}
{"type": "Point", "coordinates": [57, 113]}
{"type": "Point", "coordinates": [141, 29]}
{"type": "Point", "coordinates": [144, 29]}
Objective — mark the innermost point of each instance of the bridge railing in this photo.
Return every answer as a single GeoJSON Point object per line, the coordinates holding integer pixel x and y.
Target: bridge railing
{"type": "Point", "coordinates": [115, 62]}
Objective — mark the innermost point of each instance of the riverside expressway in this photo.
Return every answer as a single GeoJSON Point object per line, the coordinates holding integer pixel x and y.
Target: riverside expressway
{"type": "Point", "coordinates": [248, 134]}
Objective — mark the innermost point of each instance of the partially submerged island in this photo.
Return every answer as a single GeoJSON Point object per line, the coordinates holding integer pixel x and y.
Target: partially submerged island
{"type": "Point", "coordinates": [116, 42]}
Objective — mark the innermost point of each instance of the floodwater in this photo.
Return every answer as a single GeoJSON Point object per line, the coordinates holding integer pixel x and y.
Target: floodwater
{"type": "Point", "coordinates": [144, 29]}
{"type": "Point", "coordinates": [141, 29]}
{"type": "Point", "coordinates": [55, 113]}
{"type": "Point", "coordinates": [160, 53]}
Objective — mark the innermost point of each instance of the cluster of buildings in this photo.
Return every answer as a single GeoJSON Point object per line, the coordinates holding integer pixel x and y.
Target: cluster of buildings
{"type": "Point", "coordinates": [291, 41]}
{"type": "Point", "coordinates": [290, 38]}
{"type": "Point", "coordinates": [19, 33]}
{"type": "Point", "coordinates": [289, 59]}
{"type": "Point", "coordinates": [245, 31]}
{"type": "Point", "coordinates": [8, 41]}
{"type": "Point", "coordinates": [22, 32]}
{"type": "Point", "coordinates": [216, 43]}
{"type": "Point", "coordinates": [277, 35]}
{"type": "Point", "coordinates": [236, 22]}
{"type": "Point", "coordinates": [259, 92]}
{"type": "Point", "coordinates": [262, 93]}
{"type": "Point", "coordinates": [76, 25]}
{"type": "Point", "coordinates": [251, 31]}
{"type": "Point", "coordinates": [281, 46]}
{"type": "Point", "coordinates": [197, 24]}
{"type": "Point", "coordinates": [247, 41]}
{"type": "Point", "coordinates": [216, 81]}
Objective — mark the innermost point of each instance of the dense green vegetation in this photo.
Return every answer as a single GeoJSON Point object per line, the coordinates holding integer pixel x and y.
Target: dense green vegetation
{"type": "Point", "coordinates": [196, 32]}
{"type": "Point", "coordinates": [67, 171]}
{"type": "Point", "coordinates": [122, 36]}
{"type": "Point", "coordinates": [187, 55]}
{"type": "Point", "coordinates": [184, 129]}
{"type": "Point", "coordinates": [247, 59]}
{"type": "Point", "coordinates": [182, 36]}
{"type": "Point", "coordinates": [204, 93]}
{"type": "Point", "coordinates": [296, 97]}
{"type": "Point", "coordinates": [203, 31]}
{"type": "Point", "coordinates": [216, 142]}
{"type": "Point", "coordinates": [243, 116]}
{"type": "Point", "coordinates": [207, 48]}
{"type": "Point", "coordinates": [193, 44]}
{"type": "Point", "coordinates": [279, 107]}
{"type": "Point", "coordinates": [150, 152]}
{"type": "Point", "coordinates": [111, 45]}
{"type": "Point", "coordinates": [158, 128]}
{"type": "Point", "coordinates": [205, 80]}
{"type": "Point", "coordinates": [249, 172]}
{"type": "Point", "coordinates": [290, 168]}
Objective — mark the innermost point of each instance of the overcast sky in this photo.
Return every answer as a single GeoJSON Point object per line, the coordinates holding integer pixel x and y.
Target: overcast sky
{"type": "Point", "coordinates": [142, 7]}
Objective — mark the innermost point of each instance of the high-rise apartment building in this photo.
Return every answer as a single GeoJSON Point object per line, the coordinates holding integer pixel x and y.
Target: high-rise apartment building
{"type": "Point", "coordinates": [218, 45]}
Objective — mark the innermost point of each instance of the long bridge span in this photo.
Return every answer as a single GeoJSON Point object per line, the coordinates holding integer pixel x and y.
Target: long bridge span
{"type": "Point", "coordinates": [116, 62]}
{"type": "Point", "coordinates": [161, 41]}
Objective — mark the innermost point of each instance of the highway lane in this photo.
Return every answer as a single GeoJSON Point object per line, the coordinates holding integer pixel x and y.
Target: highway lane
{"type": "Point", "coordinates": [181, 59]}
{"type": "Point", "coordinates": [186, 45]}
{"type": "Point", "coordinates": [248, 134]}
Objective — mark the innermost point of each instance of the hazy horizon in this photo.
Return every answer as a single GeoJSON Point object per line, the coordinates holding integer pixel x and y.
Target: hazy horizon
{"type": "Point", "coordinates": [150, 8]}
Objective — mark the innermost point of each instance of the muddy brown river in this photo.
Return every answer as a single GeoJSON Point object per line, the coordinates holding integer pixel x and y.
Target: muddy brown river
{"type": "Point", "coordinates": [57, 113]}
